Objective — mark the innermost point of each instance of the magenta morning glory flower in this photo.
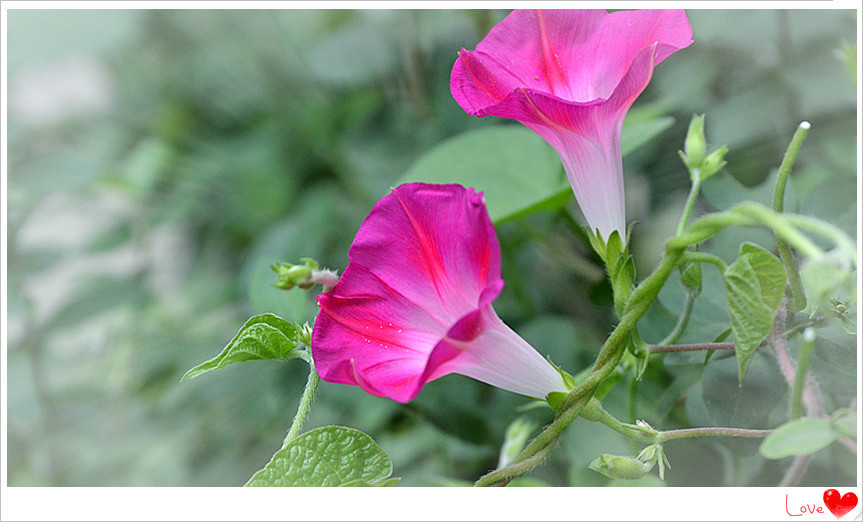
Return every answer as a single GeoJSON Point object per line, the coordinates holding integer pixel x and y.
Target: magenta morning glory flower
{"type": "Point", "coordinates": [414, 303]}
{"type": "Point", "coordinates": [571, 75]}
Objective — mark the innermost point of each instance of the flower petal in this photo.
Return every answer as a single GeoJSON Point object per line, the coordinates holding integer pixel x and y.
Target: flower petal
{"type": "Point", "coordinates": [424, 257]}
{"type": "Point", "coordinates": [571, 76]}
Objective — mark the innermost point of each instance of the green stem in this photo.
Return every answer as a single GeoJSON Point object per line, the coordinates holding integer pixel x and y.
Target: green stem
{"type": "Point", "coordinates": [798, 297]}
{"type": "Point", "coordinates": [842, 241]}
{"type": "Point", "coordinates": [595, 413]}
{"type": "Point", "coordinates": [800, 376]}
{"type": "Point", "coordinates": [682, 320]}
{"type": "Point", "coordinates": [305, 402]}
{"type": "Point", "coordinates": [639, 301]}
{"type": "Point", "coordinates": [632, 402]}
{"type": "Point", "coordinates": [787, 163]}
{"type": "Point", "coordinates": [783, 227]}
{"type": "Point", "coordinates": [609, 356]}
{"type": "Point", "coordinates": [704, 257]}
{"type": "Point", "coordinates": [690, 202]}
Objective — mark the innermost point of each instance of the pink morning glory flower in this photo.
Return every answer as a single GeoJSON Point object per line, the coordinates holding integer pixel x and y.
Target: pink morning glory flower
{"type": "Point", "coordinates": [571, 75]}
{"type": "Point", "coordinates": [414, 303]}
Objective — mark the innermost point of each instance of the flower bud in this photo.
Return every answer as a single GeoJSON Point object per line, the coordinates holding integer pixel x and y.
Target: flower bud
{"type": "Point", "coordinates": [714, 162]}
{"type": "Point", "coordinates": [695, 145]}
{"type": "Point", "coordinates": [618, 467]}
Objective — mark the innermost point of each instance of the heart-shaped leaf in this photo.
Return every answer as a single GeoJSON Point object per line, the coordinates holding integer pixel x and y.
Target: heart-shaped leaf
{"type": "Point", "coordinates": [328, 456]}
{"type": "Point", "coordinates": [754, 284]}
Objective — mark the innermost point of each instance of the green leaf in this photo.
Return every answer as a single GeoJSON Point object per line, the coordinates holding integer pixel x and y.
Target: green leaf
{"type": "Point", "coordinates": [328, 456]}
{"type": "Point", "coordinates": [845, 423]}
{"type": "Point", "coordinates": [638, 132]}
{"type": "Point", "coordinates": [264, 336]}
{"type": "Point", "coordinates": [798, 437]}
{"type": "Point", "coordinates": [754, 284]}
{"type": "Point", "coordinates": [515, 169]}
{"type": "Point", "coordinates": [771, 274]}
{"type": "Point", "coordinates": [518, 172]}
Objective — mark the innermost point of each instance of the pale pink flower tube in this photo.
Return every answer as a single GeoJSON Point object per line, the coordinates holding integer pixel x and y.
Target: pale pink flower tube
{"type": "Point", "coordinates": [571, 76]}
{"type": "Point", "coordinates": [414, 303]}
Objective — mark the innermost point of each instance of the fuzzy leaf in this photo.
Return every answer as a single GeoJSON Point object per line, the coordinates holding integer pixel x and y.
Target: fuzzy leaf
{"type": "Point", "coordinates": [328, 456]}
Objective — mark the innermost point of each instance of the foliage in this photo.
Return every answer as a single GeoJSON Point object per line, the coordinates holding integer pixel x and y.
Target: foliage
{"type": "Point", "coordinates": [221, 142]}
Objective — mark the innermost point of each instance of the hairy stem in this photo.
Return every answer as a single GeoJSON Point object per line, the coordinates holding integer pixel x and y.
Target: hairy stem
{"type": "Point", "coordinates": [795, 471]}
{"type": "Point", "coordinates": [800, 376]}
{"type": "Point", "coordinates": [690, 202]}
{"type": "Point", "coordinates": [305, 403]}
{"type": "Point", "coordinates": [687, 433]}
{"type": "Point", "coordinates": [810, 396]}
{"type": "Point", "coordinates": [689, 347]}
{"type": "Point", "coordinates": [595, 413]}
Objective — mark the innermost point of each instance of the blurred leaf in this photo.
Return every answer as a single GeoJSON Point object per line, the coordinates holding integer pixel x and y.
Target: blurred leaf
{"type": "Point", "coordinates": [723, 191]}
{"type": "Point", "coordinates": [754, 285]}
{"type": "Point", "coordinates": [798, 437]}
{"type": "Point", "coordinates": [748, 405]}
{"type": "Point", "coordinates": [637, 132]}
{"type": "Point", "coordinates": [514, 168]}
{"type": "Point", "coordinates": [354, 54]}
{"type": "Point", "coordinates": [328, 456]}
{"type": "Point", "coordinates": [845, 422]}
{"type": "Point", "coordinates": [826, 278]}
{"type": "Point", "coordinates": [264, 336]}
{"type": "Point", "coordinates": [518, 172]}
{"type": "Point", "coordinates": [96, 297]}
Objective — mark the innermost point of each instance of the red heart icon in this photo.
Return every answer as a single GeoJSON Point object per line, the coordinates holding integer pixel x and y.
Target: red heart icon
{"type": "Point", "coordinates": [839, 505]}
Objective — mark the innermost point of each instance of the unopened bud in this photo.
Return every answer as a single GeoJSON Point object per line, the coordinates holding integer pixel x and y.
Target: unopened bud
{"type": "Point", "coordinates": [618, 467]}
{"type": "Point", "coordinates": [714, 162]}
{"type": "Point", "coordinates": [695, 144]}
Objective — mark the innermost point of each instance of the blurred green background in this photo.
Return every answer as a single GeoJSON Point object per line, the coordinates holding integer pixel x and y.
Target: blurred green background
{"type": "Point", "coordinates": [159, 162]}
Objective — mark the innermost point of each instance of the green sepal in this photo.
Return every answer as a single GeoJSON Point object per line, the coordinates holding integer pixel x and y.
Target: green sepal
{"type": "Point", "coordinates": [596, 242]}
{"type": "Point", "coordinates": [555, 399]}
{"type": "Point", "coordinates": [653, 455]}
{"type": "Point", "coordinates": [263, 337]}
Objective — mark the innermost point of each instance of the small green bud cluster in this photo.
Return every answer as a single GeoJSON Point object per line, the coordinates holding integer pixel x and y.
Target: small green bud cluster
{"type": "Point", "coordinates": [701, 166]}
{"type": "Point", "coordinates": [304, 276]}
